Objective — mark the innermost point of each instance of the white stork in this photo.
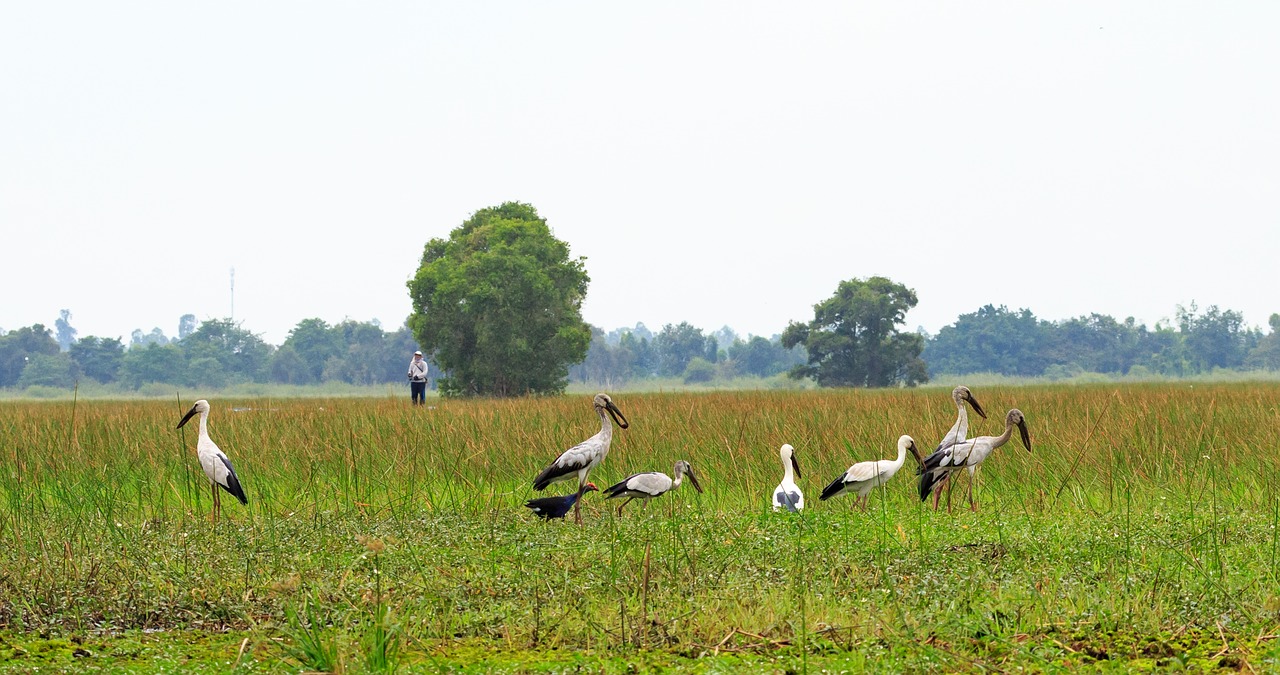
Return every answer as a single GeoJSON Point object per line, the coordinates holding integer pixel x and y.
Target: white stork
{"type": "Point", "coordinates": [788, 495]}
{"type": "Point", "coordinates": [214, 462]}
{"type": "Point", "coordinates": [958, 433]}
{"type": "Point", "coordinates": [942, 463]}
{"type": "Point", "coordinates": [862, 477]}
{"type": "Point", "coordinates": [585, 456]}
{"type": "Point", "coordinates": [652, 484]}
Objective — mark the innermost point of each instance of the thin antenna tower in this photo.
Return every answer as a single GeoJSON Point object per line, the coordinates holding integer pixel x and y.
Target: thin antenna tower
{"type": "Point", "coordinates": [233, 294]}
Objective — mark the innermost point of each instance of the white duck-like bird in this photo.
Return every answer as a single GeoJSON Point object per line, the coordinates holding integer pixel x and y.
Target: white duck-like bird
{"type": "Point", "coordinates": [942, 463]}
{"type": "Point", "coordinates": [585, 456]}
{"type": "Point", "coordinates": [650, 485]}
{"type": "Point", "coordinates": [862, 477]}
{"type": "Point", "coordinates": [788, 495]}
{"type": "Point", "coordinates": [217, 467]}
{"type": "Point", "coordinates": [957, 434]}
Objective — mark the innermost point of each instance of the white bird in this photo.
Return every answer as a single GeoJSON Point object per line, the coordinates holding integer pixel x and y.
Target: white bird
{"type": "Point", "coordinates": [863, 476]}
{"type": "Point", "coordinates": [215, 463]}
{"type": "Point", "coordinates": [958, 433]}
{"type": "Point", "coordinates": [652, 484]}
{"type": "Point", "coordinates": [788, 495]}
{"type": "Point", "coordinates": [585, 456]}
{"type": "Point", "coordinates": [942, 463]}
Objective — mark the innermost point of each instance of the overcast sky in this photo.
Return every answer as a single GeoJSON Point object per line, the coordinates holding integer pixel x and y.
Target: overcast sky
{"type": "Point", "coordinates": [717, 163]}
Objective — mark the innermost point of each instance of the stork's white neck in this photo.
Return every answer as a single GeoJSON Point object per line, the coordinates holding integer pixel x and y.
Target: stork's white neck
{"type": "Point", "coordinates": [606, 425]}
{"type": "Point", "coordinates": [902, 456]}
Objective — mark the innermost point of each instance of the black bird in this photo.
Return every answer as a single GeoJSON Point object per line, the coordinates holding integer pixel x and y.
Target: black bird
{"type": "Point", "coordinates": [557, 507]}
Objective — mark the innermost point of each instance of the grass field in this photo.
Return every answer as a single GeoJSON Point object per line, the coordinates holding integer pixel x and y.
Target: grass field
{"type": "Point", "coordinates": [1140, 534]}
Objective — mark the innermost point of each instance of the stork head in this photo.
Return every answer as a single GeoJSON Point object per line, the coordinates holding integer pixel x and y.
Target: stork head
{"type": "Point", "coordinates": [788, 454]}
{"type": "Point", "coordinates": [907, 443]}
{"type": "Point", "coordinates": [683, 469]}
{"type": "Point", "coordinates": [962, 395]}
{"type": "Point", "coordinates": [1015, 417]}
{"type": "Point", "coordinates": [201, 407]}
{"type": "Point", "coordinates": [589, 487]}
{"type": "Point", "coordinates": [603, 402]}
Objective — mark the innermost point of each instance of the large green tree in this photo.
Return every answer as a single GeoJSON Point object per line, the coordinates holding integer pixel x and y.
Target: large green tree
{"type": "Point", "coordinates": [854, 341]}
{"type": "Point", "coordinates": [498, 304]}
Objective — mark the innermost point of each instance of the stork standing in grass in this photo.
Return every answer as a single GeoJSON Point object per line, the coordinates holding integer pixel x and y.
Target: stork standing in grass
{"type": "Point", "coordinates": [646, 486]}
{"type": "Point", "coordinates": [557, 507]}
{"type": "Point", "coordinates": [214, 462]}
{"type": "Point", "coordinates": [958, 433]}
{"type": "Point", "coordinates": [942, 463]}
{"type": "Point", "coordinates": [788, 495]}
{"type": "Point", "coordinates": [585, 456]}
{"type": "Point", "coordinates": [862, 477]}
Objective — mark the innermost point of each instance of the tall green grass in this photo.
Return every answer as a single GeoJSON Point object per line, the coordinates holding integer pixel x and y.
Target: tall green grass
{"type": "Point", "coordinates": [1142, 528]}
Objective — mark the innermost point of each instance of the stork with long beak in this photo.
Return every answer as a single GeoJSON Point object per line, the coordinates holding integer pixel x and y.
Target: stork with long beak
{"type": "Point", "coordinates": [957, 434]}
{"type": "Point", "coordinates": [214, 462]}
{"type": "Point", "coordinates": [942, 463]}
{"type": "Point", "coordinates": [862, 477]}
{"type": "Point", "coordinates": [585, 456]}
{"type": "Point", "coordinates": [650, 485]}
{"type": "Point", "coordinates": [788, 495]}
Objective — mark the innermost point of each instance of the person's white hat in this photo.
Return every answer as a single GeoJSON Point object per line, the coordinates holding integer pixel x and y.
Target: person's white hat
{"type": "Point", "coordinates": [417, 353]}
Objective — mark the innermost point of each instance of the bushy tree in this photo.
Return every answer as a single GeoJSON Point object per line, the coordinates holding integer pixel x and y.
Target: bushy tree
{"type": "Point", "coordinates": [644, 360]}
{"type": "Point", "coordinates": [677, 345]}
{"type": "Point", "coordinates": [49, 370]}
{"type": "Point", "coordinates": [699, 370]}
{"type": "Point", "coordinates": [854, 341]}
{"type": "Point", "coordinates": [498, 304]}
{"type": "Point", "coordinates": [241, 354]}
{"type": "Point", "coordinates": [98, 358]}
{"type": "Point", "coordinates": [18, 346]}
{"type": "Point", "coordinates": [990, 340]}
{"type": "Point", "coordinates": [152, 363]}
{"type": "Point", "coordinates": [312, 343]}
{"type": "Point", "coordinates": [1216, 338]}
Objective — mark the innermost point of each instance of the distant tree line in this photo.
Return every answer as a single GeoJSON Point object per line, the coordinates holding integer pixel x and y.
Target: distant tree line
{"type": "Point", "coordinates": [681, 351]}
{"type": "Point", "coordinates": [215, 353]}
{"type": "Point", "coordinates": [219, 352]}
{"type": "Point", "coordinates": [999, 340]}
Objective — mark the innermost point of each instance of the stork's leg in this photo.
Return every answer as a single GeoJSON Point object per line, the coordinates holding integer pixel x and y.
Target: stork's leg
{"type": "Point", "coordinates": [951, 485]}
{"type": "Point", "coordinates": [973, 477]}
{"type": "Point", "coordinates": [213, 508]}
{"type": "Point", "coordinates": [577, 505]}
{"type": "Point", "coordinates": [937, 494]}
{"type": "Point", "coordinates": [624, 504]}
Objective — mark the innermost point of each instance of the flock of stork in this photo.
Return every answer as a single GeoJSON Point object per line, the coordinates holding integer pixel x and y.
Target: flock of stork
{"type": "Point", "coordinates": [952, 454]}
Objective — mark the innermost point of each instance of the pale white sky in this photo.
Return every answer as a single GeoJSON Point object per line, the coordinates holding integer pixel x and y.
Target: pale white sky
{"type": "Point", "coordinates": [719, 162]}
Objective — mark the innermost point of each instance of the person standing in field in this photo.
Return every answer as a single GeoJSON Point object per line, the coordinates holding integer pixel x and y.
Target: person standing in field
{"type": "Point", "coordinates": [418, 379]}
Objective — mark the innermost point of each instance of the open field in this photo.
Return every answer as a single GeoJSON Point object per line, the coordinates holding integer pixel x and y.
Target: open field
{"type": "Point", "coordinates": [1140, 534]}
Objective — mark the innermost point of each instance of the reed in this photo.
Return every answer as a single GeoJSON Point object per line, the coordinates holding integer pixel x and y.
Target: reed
{"type": "Point", "coordinates": [1141, 531]}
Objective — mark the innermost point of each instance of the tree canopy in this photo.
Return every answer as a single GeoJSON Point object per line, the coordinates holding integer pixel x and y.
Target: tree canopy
{"type": "Point", "coordinates": [498, 304]}
{"type": "Point", "coordinates": [854, 341]}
